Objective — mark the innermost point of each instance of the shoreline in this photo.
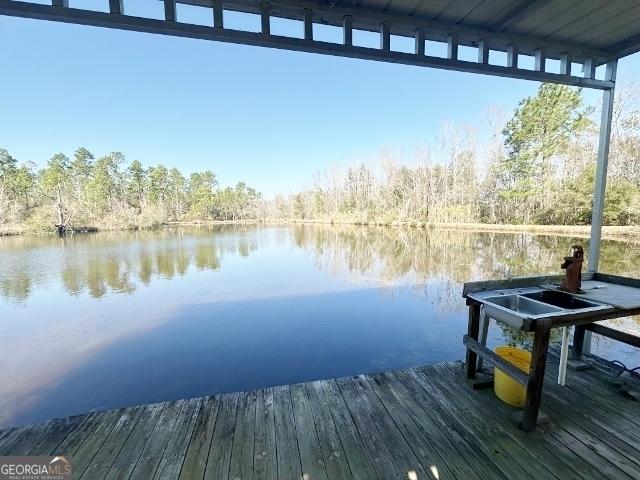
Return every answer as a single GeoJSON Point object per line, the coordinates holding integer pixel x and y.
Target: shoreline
{"type": "Point", "coordinates": [608, 231]}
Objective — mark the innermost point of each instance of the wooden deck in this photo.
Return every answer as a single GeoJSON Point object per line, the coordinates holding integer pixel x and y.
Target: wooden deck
{"type": "Point", "coordinates": [418, 423]}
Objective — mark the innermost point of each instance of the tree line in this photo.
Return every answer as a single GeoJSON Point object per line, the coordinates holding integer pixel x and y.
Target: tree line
{"type": "Point", "coordinates": [105, 192]}
{"type": "Point", "coordinates": [537, 167]}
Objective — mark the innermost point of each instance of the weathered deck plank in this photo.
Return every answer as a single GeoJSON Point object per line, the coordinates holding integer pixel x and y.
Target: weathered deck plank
{"type": "Point", "coordinates": [195, 461]}
{"type": "Point", "coordinates": [423, 422]}
{"type": "Point", "coordinates": [335, 460]}
{"type": "Point", "coordinates": [151, 455]}
{"type": "Point", "coordinates": [360, 463]}
{"type": "Point", "coordinates": [175, 451]}
{"type": "Point", "coordinates": [265, 466]}
{"type": "Point", "coordinates": [287, 453]}
{"type": "Point", "coordinates": [244, 438]}
{"type": "Point", "coordinates": [219, 459]}
{"type": "Point", "coordinates": [110, 449]}
{"type": "Point", "coordinates": [132, 449]}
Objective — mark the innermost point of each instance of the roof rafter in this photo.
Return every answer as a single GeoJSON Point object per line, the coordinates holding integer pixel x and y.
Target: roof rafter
{"type": "Point", "coordinates": [384, 23]}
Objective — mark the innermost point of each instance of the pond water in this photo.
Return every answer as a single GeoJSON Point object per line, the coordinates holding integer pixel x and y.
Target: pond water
{"type": "Point", "coordinates": [99, 321]}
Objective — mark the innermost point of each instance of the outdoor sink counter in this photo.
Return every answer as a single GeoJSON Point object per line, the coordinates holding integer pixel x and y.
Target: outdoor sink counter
{"type": "Point", "coordinates": [536, 304]}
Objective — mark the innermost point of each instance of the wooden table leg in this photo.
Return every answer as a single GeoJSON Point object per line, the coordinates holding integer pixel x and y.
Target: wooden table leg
{"type": "Point", "coordinates": [536, 376]}
{"type": "Point", "coordinates": [578, 340]}
{"type": "Point", "coordinates": [473, 329]}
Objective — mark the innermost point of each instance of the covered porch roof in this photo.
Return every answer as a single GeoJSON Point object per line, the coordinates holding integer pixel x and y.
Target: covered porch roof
{"type": "Point", "coordinates": [587, 32]}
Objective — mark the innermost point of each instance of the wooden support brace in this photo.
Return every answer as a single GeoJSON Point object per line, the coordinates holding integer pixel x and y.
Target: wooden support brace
{"type": "Point", "coordinates": [494, 359]}
{"type": "Point", "coordinates": [578, 340]}
{"type": "Point", "coordinates": [419, 36]}
{"type": "Point", "coordinates": [265, 18]}
{"type": "Point", "coordinates": [385, 36]}
{"type": "Point", "coordinates": [483, 51]}
{"type": "Point", "coordinates": [307, 20]}
{"type": "Point", "coordinates": [618, 335]}
{"type": "Point", "coordinates": [452, 47]}
{"type": "Point", "coordinates": [347, 30]}
{"type": "Point", "coordinates": [116, 7]}
{"type": "Point", "coordinates": [512, 56]}
{"type": "Point", "coordinates": [218, 14]}
{"type": "Point", "coordinates": [170, 10]}
{"type": "Point", "coordinates": [540, 58]}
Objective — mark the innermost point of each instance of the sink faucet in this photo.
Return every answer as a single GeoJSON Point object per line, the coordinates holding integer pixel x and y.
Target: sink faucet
{"type": "Point", "coordinates": [573, 266]}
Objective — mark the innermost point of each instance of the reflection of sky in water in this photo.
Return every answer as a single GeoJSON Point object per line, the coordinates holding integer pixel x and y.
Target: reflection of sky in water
{"type": "Point", "coordinates": [116, 319]}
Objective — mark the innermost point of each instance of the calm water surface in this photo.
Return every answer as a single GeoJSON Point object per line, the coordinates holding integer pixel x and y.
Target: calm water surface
{"type": "Point", "coordinates": [99, 321]}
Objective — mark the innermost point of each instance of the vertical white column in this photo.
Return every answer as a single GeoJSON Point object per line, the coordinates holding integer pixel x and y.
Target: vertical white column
{"type": "Point", "coordinates": [601, 169]}
{"type": "Point", "coordinates": [564, 356]}
{"type": "Point", "coordinates": [604, 141]}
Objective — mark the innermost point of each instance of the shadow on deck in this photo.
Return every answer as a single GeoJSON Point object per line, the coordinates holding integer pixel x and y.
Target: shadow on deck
{"type": "Point", "coordinates": [419, 423]}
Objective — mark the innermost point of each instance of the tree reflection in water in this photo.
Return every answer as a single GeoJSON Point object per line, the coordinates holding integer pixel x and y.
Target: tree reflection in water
{"type": "Point", "coordinates": [431, 262]}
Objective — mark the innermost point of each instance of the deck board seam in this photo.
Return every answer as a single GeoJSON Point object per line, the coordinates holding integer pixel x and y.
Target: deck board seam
{"type": "Point", "coordinates": [148, 439]}
{"type": "Point", "coordinates": [342, 446]}
{"type": "Point", "coordinates": [457, 387]}
{"type": "Point", "coordinates": [427, 468]}
{"type": "Point", "coordinates": [295, 428]}
{"type": "Point", "coordinates": [215, 424]}
{"type": "Point", "coordinates": [169, 434]}
{"type": "Point", "coordinates": [380, 433]}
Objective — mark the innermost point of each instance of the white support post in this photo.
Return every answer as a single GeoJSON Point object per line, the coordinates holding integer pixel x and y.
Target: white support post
{"type": "Point", "coordinates": [218, 14]}
{"type": "Point", "coordinates": [564, 356]}
{"type": "Point", "coordinates": [601, 169]}
{"type": "Point", "coordinates": [604, 140]}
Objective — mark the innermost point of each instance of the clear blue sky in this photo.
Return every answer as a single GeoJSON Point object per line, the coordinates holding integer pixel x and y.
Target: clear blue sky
{"type": "Point", "coordinates": [268, 117]}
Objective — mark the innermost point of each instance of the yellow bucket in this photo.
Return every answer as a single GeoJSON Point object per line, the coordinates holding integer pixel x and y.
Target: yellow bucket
{"type": "Point", "coordinates": [506, 388]}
